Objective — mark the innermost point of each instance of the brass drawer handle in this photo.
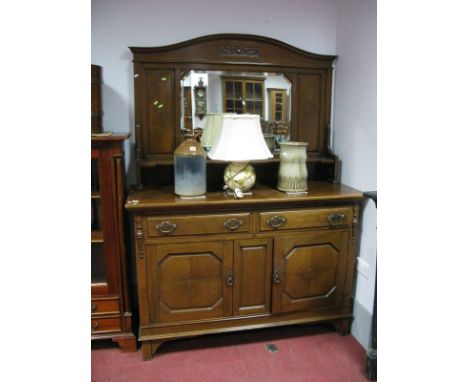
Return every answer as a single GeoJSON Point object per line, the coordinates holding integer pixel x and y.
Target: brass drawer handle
{"type": "Point", "coordinates": [166, 227]}
{"type": "Point", "coordinates": [335, 219]}
{"type": "Point", "coordinates": [277, 221]}
{"type": "Point", "coordinates": [230, 279]}
{"type": "Point", "coordinates": [93, 307]}
{"type": "Point", "coordinates": [233, 224]}
{"type": "Point", "coordinates": [94, 326]}
{"type": "Point", "coordinates": [276, 277]}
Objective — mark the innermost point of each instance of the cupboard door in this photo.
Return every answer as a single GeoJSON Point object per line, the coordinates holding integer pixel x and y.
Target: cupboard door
{"type": "Point", "coordinates": [189, 281]}
{"type": "Point", "coordinates": [309, 271]}
{"type": "Point", "coordinates": [252, 277]}
{"type": "Point", "coordinates": [159, 131]}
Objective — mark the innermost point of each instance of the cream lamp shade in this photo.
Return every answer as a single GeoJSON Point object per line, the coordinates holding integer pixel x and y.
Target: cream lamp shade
{"type": "Point", "coordinates": [240, 140]}
{"type": "Point", "coordinates": [212, 130]}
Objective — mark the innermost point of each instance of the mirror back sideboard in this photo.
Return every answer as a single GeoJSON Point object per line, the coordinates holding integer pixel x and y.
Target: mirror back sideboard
{"type": "Point", "coordinates": [159, 114]}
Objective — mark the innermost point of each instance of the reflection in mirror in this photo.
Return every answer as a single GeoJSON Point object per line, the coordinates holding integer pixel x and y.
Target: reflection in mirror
{"type": "Point", "coordinates": [265, 94]}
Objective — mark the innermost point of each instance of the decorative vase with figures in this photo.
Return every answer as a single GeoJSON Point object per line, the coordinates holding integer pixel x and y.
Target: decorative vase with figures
{"type": "Point", "coordinates": [292, 175]}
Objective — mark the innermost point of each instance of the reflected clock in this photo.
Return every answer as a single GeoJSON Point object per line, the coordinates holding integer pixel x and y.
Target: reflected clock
{"type": "Point", "coordinates": [200, 99]}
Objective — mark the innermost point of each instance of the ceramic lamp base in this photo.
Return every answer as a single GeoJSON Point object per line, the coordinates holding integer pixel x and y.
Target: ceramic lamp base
{"type": "Point", "coordinates": [239, 175]}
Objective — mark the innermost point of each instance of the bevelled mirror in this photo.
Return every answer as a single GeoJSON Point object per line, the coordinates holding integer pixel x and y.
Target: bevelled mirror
{"type": "Point", "coordinates": [265, 94]}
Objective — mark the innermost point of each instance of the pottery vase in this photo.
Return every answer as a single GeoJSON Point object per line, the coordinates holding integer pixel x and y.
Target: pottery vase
{"type": "Point", "coordinates": [292, 175]}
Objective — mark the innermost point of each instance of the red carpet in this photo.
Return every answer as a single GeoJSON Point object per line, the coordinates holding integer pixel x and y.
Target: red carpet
{"type": "Point", "coordinates": [305, 354]}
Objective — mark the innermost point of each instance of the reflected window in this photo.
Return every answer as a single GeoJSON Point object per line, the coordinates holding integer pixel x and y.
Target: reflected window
{"type": "Point", "coordinates": [243, 96]}
{"type": "Point", "coordinates": [265, 94]}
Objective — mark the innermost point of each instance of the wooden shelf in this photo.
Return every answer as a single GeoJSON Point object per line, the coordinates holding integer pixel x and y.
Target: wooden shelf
{"type": "Point", "coordinates": [97, 236]}
{"type": "Point", "coordinates": [168, 159]}
{"type": "Point", "coordinates": [95, 195]}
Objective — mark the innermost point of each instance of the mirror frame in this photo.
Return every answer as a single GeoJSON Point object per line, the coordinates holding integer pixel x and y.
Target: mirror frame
{"type": "Point", "coordinates": [310, 75]}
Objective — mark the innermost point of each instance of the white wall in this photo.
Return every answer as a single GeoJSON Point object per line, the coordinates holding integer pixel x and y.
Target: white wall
{"type": "Point", "coordinates": [307, 24]}
{"type": "Point", "coordinates": [355, 132]}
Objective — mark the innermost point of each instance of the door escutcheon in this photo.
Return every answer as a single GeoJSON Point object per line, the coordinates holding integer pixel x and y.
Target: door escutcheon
{"type": "Point", "coordinates": [276, 277]}
{"type": "Point", "coordinates": [230, 279]}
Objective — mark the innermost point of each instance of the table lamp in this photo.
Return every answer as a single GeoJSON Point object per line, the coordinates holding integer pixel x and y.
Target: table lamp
{"type": "Point", "coordinates": [240, 141]}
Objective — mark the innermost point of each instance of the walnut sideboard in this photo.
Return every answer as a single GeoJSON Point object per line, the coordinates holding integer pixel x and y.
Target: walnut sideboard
{"type": "Point", "coordinates": [219, 264]}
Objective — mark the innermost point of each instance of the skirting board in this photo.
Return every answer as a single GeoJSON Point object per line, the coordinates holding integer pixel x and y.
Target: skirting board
{"type": "Point", "coordinates": [362, 324]}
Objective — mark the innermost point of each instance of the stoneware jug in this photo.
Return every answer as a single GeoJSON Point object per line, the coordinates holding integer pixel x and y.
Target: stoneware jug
{"type": "Point", "coordinates": [190, 168]}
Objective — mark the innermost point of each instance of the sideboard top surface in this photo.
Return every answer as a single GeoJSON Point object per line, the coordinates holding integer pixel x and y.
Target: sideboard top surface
{"type": "Point", "coordinates": [164, 198]}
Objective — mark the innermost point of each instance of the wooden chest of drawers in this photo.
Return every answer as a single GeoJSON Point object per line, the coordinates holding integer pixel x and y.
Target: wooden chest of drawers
{"type": "Point", "coordinates": [220, 264]}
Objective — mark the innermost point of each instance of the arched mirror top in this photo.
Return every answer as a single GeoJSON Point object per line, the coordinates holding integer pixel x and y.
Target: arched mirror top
{"type": "Point", "coordinates": [233, 49]}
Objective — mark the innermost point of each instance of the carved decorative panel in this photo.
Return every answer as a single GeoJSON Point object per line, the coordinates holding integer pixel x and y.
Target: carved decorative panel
{"type": "Point", "coordinates": [309, 271]}
{"type": "Point", "coordinates": [189, 281]}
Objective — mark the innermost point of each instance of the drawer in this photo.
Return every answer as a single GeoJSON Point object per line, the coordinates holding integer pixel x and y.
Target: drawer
{"type": "Point", "coordinates": [197, 224]}
{"type": "Point", "coordinates": [105, 325]}
{"type": "Point", "coordinates": [312, 218]}
{"type": "Point", "coordinates": [105, 306]}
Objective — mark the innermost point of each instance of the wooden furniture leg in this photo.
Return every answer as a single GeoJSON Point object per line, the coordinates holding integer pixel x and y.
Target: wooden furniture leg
{"type": "Point", "coordinates": [343, 326]}
{"type": "Point", "coordinates": [149, 348]}
{"type": "Point", "coordinates": [127, 344]}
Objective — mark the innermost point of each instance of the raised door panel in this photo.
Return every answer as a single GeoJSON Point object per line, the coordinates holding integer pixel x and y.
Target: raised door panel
{"type": "Point", "coordinates": [310, 270]}
{"type": "Point", "coordinates": [310, 99]}
{"type": "Point", "coordinates": [159, 131]}
{"type": "Point", "coordinates": [189, 281]}
{"type": "Point", "coordinates": [252, 277]}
